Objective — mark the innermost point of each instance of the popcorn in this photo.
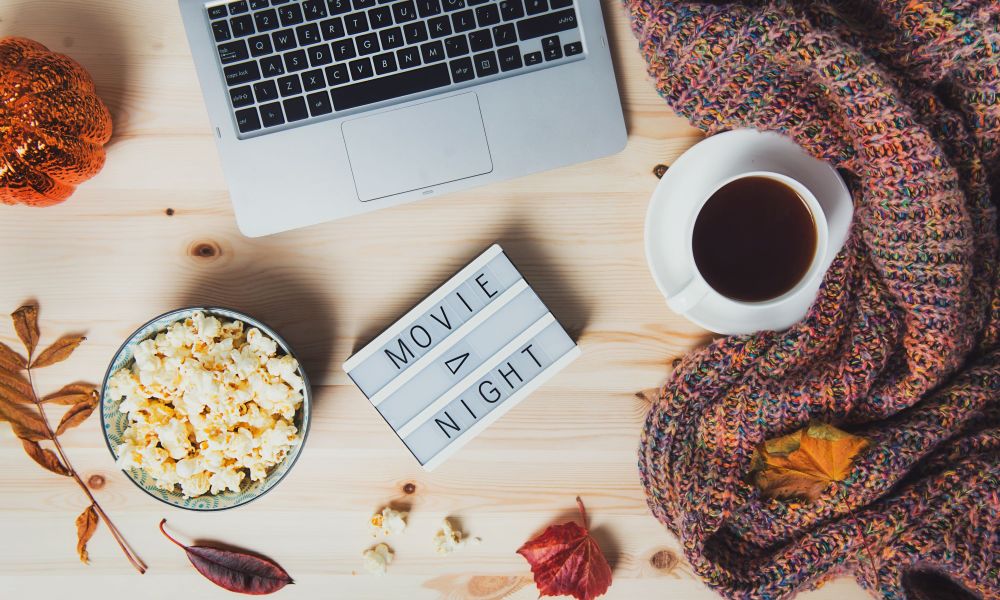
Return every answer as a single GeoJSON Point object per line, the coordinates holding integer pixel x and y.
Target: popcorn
{"type": "Point", "coordinates": [388, 522]}
{"type": "Point", "coordinates": [377, 559]}
{"type": "Point", "coordinates": [210, 406]}
{"type": "Point", "coordinates": [448, 539]}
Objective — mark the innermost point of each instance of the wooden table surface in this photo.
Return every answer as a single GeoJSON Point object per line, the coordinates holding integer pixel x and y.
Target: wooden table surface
{"type": "Point", "coordinates": [155, 231]}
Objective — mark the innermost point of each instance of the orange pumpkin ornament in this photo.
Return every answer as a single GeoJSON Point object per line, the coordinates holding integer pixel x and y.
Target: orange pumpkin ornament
{"type": "Point", "coordinates": [53, 127]}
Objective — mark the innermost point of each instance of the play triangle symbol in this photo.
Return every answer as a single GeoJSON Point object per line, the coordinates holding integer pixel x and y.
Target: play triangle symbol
{"type": "Point", "coordinates": [461, 358]}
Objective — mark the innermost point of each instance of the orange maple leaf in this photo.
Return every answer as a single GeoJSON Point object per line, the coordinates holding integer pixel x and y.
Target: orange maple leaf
{"type": "Point", "coordinates": [804, 463]}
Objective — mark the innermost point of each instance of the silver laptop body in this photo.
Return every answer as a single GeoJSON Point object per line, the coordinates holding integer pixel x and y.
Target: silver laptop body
{"type": "Point", "coordinates": [323, 109]}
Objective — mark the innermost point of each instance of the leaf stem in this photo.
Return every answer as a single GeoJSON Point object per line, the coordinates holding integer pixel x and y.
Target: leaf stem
{"type": "Point", "coordinates": [169, 537]}
{"type": "Point", "coordinates": [126, 548]}
{"type": "Point", "coordinates": [583, 512]}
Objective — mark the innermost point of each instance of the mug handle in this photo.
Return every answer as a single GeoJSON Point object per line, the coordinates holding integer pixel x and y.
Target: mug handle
{"type": "Point", "coordinates": [689, 297]}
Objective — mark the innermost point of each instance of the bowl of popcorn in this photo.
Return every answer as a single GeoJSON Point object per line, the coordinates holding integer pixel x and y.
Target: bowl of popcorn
{"type": "Point", "coordinates": [205, 408]}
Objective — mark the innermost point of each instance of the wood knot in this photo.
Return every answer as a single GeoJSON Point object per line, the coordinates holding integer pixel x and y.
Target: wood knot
{"type": "Point", "coordinates": [95, 482]}
{"type": "Point", "coordinates": [409, 488]}
{"type": "Point", "coordinates": [664, 560]}
{"type": "Point", "coordinates": [205, 250]}
{"type": "Point", "coordinates": [169, 212]}
{"type": "Point", "coordinates": [660, 170]}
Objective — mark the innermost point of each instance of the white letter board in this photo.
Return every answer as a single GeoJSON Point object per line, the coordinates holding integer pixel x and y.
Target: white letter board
{"type": "Point", "coordinates": [461, 358]}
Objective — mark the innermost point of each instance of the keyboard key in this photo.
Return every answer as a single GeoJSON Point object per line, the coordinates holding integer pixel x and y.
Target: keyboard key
{"type": "Point", "coordinates": [242, 26]}
{"type": "Point", "coordinates": [265, 91]}
{"type": "Point", "coordinates": [307, 34]}
{"type": "Point", "coordinates": [504, 34]}
{"type": "Point", "coordinates": [289, 86]}
{"type": "Point", "coordinates": [367, 44]}
{"type": "Point", "coordinates": [338, 7]}
{"type": "Point", "coordinates": [290, 15]}
{"type": "Point", "coordinates": [551, 48]}
{"type": "Point", "coordinates": [547, 24]}
{"type": "Point", "coordinates": [511, 9]}
{"type": "Point", "coordinates": [475, 2]}
{"type": "Point", "coordinates": [509, 58]}
{"type": "Point", "coordinates": [332, 28]}
{"type": "Point", "coordinates": [241, 96]}
{"type": "Point", "coordinates": [400, 84]}
{"type": "Point", "coordinates": [260, 45]}
{"type": "Point", "coordinates": [480, 40]}
{"type": "Point", "coordinates": [408, 57]}
{"type": "Point", "coordinates": [221, 31]}
{"type": "Point", "coordinates": [487, 15]}
{"type": "Point", "coordinates": [258, 4]}
{"type": "Point", "coordinates": [363, 4]}
{"type": "Point", "coordinates": [343, 49]}
{"type": "Point", "coordinates": [532, 58]}
{"type": "Point", "coordinates": [239, 7]}
{"type": "Point", "coordinates": [486, 64]}
{"type": "Point", "coordinates": [283, 40]}
{"type": "Point", "coordinates": [319, 104]}
{"type": "Point", "coordinates": [295, 109]}
{"type": "Point", "coordinates": [428, 8]}
{"type": "Point", "coordinates": [573, 48]}
{"type": "Point", "coordinates": [242, 73]}
{"type": "Point", "coordinates": [456, 46]}
{"type": "Point", "coordinates": [403, 12]}
{"type": "Point", "coordinates": [266, 20]}
{"type": "Point", "coordinates": [461, 70]}
{"type": "Point", "coordinates": [277, 2]}
{"type": "Point", "coordinates": [217, 12]}
{"type": "Point", "coordinates": [313, 80]}
{"type": "Point", "coordinates": [296, 61]}
{"type": "Point", "coordinates": [360, 69]}
{"type": "Point", "coordinates": [314, 9]}
{"type": "Point", "coordinates": [414, 33]}
{"type": "Point", "coordinates": [337, 74]}
{"type": "Point", "coordinates": [319, 55]}
{"type": "Point", "coordinates": [380, 17]}
{"type": "Point", "coordinates": [272, 66]}
{"type": "Point", "coordinates": [463, 21]}
{"type": "Point", "coordinates": [233, 51]}
{"type": "Point", "coordinates": [557, 4]}
{"type": "Point", "coordinates": [391, 38]}
{"type": "Point", "coordinates": [450, 5]}
{"type": "Point", "coordinates": [247, 120]}
{"type": "Point", "coordinates": [440, 27]}
{"type": "Point", "coordinates": [534, 7]}
{"type": "Point", "coordinates": [384, 63]}
{"type": "Point", "coordinates": [356, 23]}
{"type": "Point", "coordinates": [432, 52]}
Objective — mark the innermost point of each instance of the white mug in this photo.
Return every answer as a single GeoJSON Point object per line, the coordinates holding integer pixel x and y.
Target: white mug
{"type": "Point", "coordinates": [697, 289]}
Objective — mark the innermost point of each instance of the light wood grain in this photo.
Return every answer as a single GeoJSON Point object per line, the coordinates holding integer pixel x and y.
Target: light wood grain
{"type": "Point", "coordinates": [110, 258]}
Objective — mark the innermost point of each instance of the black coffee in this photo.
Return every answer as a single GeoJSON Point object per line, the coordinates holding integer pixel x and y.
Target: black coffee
{"type": "Point", "coordinates": [754, 239]}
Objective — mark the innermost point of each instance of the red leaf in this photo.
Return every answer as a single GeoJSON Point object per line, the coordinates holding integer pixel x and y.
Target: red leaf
{"type": "Point", "coordinates": [235, 571]}
{"type": "Point", "coordinates": [566, 561]}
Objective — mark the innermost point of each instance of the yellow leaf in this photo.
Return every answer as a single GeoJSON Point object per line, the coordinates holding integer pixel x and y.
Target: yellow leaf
{"type": "Point", "coordinates": [26, 326]}
{"type": "Point", "coordinates": [45, 457]}
{"type": "Point", "coordinates": [76, 414]}
{"type": "Point", "coordinates": [27, 424]}
{"type": "Point", "coordinates": [804, 463]}
{"type": "Point", "coordinates": [14, 386]}
{"type": "Point", "coordinates": [86, 525]}
{"type": "Point", "coordinates": [11, 359]}
{"type": "Point", "coordinates": [58, 352]}
{"type": "Point", "coordinates": [73, 393]}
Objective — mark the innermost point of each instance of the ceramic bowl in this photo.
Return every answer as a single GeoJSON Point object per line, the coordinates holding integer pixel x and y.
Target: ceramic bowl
{"type": "Point", "coordinates": [115, 422]}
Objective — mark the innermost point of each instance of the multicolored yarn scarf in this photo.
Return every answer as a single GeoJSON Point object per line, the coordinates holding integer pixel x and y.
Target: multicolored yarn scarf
{"type": "Point", "coordinates": [901, 345]}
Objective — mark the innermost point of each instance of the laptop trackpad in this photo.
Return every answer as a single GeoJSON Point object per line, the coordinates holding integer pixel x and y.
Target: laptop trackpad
{"type": "Point", "coordinates": [417, 146]}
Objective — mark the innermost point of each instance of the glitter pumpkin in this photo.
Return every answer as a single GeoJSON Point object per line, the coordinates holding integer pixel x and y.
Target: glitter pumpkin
{"type": "Point", "coordinates": [53, 127]}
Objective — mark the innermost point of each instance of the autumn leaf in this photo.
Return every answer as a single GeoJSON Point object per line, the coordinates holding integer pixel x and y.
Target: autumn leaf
{"type": "Point", "coordinates": [45, 457]}
{"type": "Point", "coordinates": [73, 393]}
{"type": "Point", "coordinates": [86, 525]}
{"type": "Point", "coordinates": [76, 414]}
{"type": "Point", "coordinates": [14, 386]}
{"type": "Point", "coordinates": [58, 352]}
{"type": "Point", "coordinates": [804, 463]}
{"type": "Point", "coordinates": [26, 326]}
{"type": "Point", "coordinates": [27, 424]}
{"type": "Point", "coordinates": [10, 359]}
{"type": "Point", "coordinates": [566, 561]}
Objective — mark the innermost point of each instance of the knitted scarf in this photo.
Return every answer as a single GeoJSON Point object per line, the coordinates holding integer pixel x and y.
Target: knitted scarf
{"type": "Point", "coordinates": [901, 344]}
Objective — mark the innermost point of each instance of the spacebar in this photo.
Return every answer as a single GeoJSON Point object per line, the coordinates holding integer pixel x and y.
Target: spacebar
{"type": "Point", "coordinates": [393, 86]}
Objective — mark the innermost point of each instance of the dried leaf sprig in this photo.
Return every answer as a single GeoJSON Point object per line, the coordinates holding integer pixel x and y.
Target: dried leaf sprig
{"type": "Point", "coordinates": [24, 410]}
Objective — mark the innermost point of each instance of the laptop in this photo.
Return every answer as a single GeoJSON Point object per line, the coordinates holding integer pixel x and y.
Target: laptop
{"type": "Point", "coordinates": [323, 109]}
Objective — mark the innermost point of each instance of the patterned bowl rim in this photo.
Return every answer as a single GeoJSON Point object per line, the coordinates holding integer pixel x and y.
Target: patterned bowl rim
{"type": "Point", "coordinates": [230, 314]}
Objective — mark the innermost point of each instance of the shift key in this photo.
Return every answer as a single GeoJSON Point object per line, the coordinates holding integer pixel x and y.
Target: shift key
{"type": "Point", "coordinates": [242, 73]}
{"type": "Point", "coordinates": [547, 24]}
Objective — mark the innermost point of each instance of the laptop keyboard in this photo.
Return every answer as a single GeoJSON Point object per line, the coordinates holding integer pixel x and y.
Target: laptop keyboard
{"type": "Point", "coordinates": [294, 62]}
